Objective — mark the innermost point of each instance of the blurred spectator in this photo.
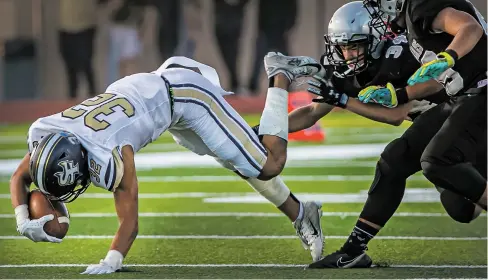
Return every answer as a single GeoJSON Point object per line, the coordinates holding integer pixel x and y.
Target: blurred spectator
{"type": "Point", "coordinates": [125, 33]}
{"type": "Point", "coordinates": [76, 36]}
{"type": "Point", "coordinates": [276, 18]}
{"type": "Point", "coordinates": [229, 15]}
{"type": "Point", "coordinates": [169, 22]}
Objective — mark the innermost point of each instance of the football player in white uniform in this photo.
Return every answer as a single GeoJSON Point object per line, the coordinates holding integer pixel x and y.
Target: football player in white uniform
{"type": "Point", "coordinates": [95, 142]}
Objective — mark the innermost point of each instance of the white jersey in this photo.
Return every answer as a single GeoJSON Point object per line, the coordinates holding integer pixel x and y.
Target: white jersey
{"type": "Point", "coordinates": [137, 109]}
{"type": "Point", "coordinates": [134, 111]}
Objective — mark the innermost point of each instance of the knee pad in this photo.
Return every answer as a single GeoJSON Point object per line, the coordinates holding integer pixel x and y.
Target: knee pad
{"type": "Point", "coordinates": [457, 207]}
{"type": "Point", "coordinates": [430, 171]}
{"type": "Point", "coordinates": [391, 163]}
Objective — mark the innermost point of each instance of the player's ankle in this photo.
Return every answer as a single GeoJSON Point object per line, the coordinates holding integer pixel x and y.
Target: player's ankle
{"type": "Point", "coordinates": [359, 238]}
{"type": "Point", "coordinates": [352, 250]}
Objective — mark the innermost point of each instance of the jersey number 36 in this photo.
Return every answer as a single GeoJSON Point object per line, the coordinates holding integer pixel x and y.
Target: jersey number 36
{"type": "Point", "coordinates": [102, 104]}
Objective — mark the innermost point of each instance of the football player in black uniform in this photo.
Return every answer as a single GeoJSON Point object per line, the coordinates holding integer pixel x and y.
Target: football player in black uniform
{"type": "Point", "coordinates": [360, 60]}
{"type": "Point", "coordinates": [456, 32]}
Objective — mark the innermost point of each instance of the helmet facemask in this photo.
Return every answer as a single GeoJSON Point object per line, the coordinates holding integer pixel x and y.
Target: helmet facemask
{"type": "Point", "coordinates": [382, 14]}
{"type": "Point", "coordinates": [351, 66]}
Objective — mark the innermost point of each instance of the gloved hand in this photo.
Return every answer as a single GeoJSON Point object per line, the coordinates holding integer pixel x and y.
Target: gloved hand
{"type": "Point", "coordinates": [111, 263]}
{"type": "Point", "coordinates": [324, 88]}
{"type": "Point", "coordinates": [434, 68]}
{"type": "Point", "coordinates": [33, 229]}
{"type": "Point", "coordinates": [385, 96]}
{"type": "Point", "coordinates": [101, 268]}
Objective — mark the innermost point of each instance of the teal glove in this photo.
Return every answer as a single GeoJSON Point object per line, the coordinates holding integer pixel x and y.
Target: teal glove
{"type": "Point", "coordinates": [433, 69]}
{"type": "Point", "coordinates": [385, 96]}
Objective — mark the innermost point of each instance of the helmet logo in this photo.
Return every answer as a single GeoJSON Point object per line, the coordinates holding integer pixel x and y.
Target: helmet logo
{"type": "Point", "coordinates": [67, 176]}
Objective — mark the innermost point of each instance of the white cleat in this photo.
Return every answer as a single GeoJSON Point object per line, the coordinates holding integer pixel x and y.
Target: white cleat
{"type": "Point", "coordinates": [291, 66]}
{"type": "Point", "coordinates": [309, 229]}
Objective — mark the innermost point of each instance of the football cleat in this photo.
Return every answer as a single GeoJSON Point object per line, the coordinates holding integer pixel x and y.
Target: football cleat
{"type": "Point", "coordinates": [340, 259]}
{"type": "Point", "coordinates": [291, 66]}
{"type": "Point", "coordinates": [309, 229]}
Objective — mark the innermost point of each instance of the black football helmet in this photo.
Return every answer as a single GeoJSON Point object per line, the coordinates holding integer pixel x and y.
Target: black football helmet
{"type": "Point", "coordinates": [59, 167]}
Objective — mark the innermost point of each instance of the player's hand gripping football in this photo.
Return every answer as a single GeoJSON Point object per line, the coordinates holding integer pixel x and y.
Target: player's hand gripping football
{"type": "Point", "coordinates": [323, 87]}
{"type": "Point", "coordinates": [385, 96]}
{"type": "Point", "coordinates": [434, 68]}
{"type": "Point", "coordinates": [34, 229]}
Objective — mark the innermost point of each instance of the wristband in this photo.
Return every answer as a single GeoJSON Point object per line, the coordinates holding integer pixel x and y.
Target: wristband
{"type": "Point", "coordinates": [453, 54]}
{"type": "Point", "coordinates": [114, 258]}
{"type": "Point", "coordinates": [402, 96]}
{"type": "Point", "coordinates": [343, 101]}
{"type": "Point", "coordinates": [21, 213]}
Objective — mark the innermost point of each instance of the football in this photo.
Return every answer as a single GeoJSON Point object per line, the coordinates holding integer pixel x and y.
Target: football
{"type": "Point", "coordinates": [40, 205]}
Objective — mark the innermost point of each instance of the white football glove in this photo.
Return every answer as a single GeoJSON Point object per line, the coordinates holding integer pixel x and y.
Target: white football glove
{"type": "Point", "coordinates": [111, 263]}
{"type": "Point", "coordinates": [34, 229]}
{"type": "Point", "coordinates": [101, 268]}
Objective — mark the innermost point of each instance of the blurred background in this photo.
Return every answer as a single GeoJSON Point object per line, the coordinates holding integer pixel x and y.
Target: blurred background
{"type": "Point", "coordinates": [63, 51]}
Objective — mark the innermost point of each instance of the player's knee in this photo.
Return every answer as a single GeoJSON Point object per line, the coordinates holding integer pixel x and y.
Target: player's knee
{"type": "Point", "coordinates": [393, 158]}
{"type": "Point", "coordinates": [392, 169]}
{"type": "Point", "coordinates": [430, 169]}
{"type": "Point", "coordinates": [273, 167]}
{"type": "Point", "coordinates": [457, 207]}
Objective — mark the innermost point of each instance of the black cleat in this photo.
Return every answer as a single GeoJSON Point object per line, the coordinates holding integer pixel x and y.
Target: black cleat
{"type": "Point", "coordinates": [339, 259]}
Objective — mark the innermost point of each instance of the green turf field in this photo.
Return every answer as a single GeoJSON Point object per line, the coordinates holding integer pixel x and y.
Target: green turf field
{"type": "Point", "coordinates": [202, 222]}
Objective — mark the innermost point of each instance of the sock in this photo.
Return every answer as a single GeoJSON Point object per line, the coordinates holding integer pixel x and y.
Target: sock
{"type": "Point", "coordinates": [359, 238]}
{"type": "Point", "coordinates": [300, 213]}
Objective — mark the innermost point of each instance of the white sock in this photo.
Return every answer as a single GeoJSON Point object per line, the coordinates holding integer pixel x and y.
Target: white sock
{"type": "Point", "coordinates": [274, 119]}
{"type": "Point", "coordinates": [300, 212]}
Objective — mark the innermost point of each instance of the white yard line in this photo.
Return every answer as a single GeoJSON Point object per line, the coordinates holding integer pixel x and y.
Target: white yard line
{"type": "Point", "coordinates": [257, 265]}
{"type": "Point", "coordinates": [149, 161]}
{"type": "Point", "coordinates": [4, 139]}
{"type": "Point", "coordinates": [292, 178]}
{"type": "Point", "coordinates": [412, 195]}
{"type": "Point", "coordinates": [237, 214]}
{"type": "Point", "coordinates": [241, 237]}
{"type": "Point", "coordinates": [232, 178]}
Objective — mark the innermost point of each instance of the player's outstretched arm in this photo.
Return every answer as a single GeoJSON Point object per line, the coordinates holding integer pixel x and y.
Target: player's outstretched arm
{"type": "Point", "coordinates": [19, 183]}
{"type": "Point", "coordinates": [394, 116]}
{"type": "Point", "coordinates": [324, 89]}
{"type": "Point", "coordinates": [306, 116]}
{"type": "Point", "coordinates": [19, 189]}
{"type": "Point", "coordinates": [126, 205]}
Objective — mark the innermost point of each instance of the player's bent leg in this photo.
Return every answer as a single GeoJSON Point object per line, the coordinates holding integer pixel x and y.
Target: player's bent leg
{"type": "Point", "coordinates": [281, 70]}
{"type": "Point", "coordinates": [458, 207]}
{"type": "Point", "coordinates": [305, 216]}
{"type": "Point", "coordinates": [274, 128]}
{"type": "Point", "coordinates": [447, 160]}
{"type": "Point", "coordinates": [399, 160]}
{"type": "Point", "coordinates": [384, 197]}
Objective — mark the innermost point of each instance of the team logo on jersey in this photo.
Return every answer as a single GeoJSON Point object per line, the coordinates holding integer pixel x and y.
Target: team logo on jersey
{"type": "Point", "coordinates": [68, 175]}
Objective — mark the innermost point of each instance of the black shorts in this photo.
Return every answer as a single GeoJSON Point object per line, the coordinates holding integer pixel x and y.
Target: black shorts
{"type": "Point", "coordinates": [462, 136]}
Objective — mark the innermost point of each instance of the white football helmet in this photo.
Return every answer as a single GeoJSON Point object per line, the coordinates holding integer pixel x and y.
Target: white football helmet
{"type": "Point", "coordinates": [353, 25]}
{"type": "Point", "coordinates": [389, 7]}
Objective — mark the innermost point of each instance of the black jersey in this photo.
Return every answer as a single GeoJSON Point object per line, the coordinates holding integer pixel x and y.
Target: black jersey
{"type": "Point", "coordinates": [395, 66]}
{"type": "Point", "coordinates": [425, 43]}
